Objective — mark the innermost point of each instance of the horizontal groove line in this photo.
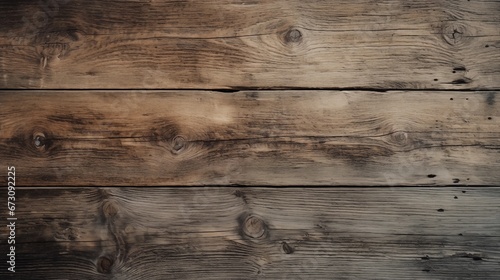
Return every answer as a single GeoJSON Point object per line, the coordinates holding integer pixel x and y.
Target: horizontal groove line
{"type": "Point", "coordinates": [319, 187]}
{"type": "Point", "coordinates": [236, 89]}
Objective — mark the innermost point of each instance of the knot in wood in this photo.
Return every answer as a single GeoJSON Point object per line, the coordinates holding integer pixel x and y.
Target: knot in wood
{"type": "Point", "coordinates": [293, 36]}
{"type": "Point", "coordinates": [455, 33]}
{"type": "Point", "coordinates": [104, 265]}
{"type": "Point", "coordinates": [39, 140]}
{"type": "Point", "coordinates": [109, 209]}
{"type": "Point", "coordinates": [254, 227]}
{"type": "Point", "coordinates": [400, 138]}
{"type": "Point", "coordinates": [178, 144]}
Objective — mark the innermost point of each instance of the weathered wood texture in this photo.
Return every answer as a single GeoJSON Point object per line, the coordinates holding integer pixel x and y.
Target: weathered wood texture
{"type": "Point", "coordinates": [251, 138]}
{"type": "Point", "coordinates": [395, 44]}
{"type": "Point", "coordinates": [257, 233]}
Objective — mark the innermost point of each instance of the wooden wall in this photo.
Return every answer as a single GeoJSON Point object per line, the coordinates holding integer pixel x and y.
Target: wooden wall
{"type": "Point", "coordinates": [251, 139]}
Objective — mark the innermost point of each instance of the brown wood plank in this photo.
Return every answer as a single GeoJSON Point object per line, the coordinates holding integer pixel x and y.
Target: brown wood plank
{"type": "Point", "coordinates": [250, 138]}
{"type": "Point", "coordinates": [389, 44]}
{"type": "Point", "coordinates": [257, 233]}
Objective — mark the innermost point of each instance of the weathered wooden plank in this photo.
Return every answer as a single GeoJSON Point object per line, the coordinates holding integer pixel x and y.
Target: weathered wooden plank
{"type": "Point", "coordinates": [393, 44]}
{"type": "Point", "coordinates": [250, 138]}
{"type": "Point", "coordinates": [257, 233]}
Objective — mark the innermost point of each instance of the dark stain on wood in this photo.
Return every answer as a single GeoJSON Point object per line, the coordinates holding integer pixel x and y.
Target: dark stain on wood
{"type": "Point", "coordinates": [69, 118]}
{"type": "Point", "coordinates": [460, 68]}
{"type": "Point", "coordinates": [490, 98]}
{"type": "Point", "coordinates": [242, 195]}
{"type": "Point", "coordinates": [475, 257]}
{"type": "Point", "coordinates": [462, 81]}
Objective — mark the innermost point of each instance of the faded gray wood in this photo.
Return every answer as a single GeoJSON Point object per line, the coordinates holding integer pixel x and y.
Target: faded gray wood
{"type": "Point", "coordinates": [389, 44]}
{"type": "Point", "coordinates": [83, 138]}
{"type": "Point", "coordinates": [257, 233]}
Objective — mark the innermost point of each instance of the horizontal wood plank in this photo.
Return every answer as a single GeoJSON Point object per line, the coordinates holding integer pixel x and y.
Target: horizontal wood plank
{"type": "Point", "coordinates": [250, 138]}
{"type": "Point", "coordinates": [135, 44]}
{"type": "Point", "coordinates": [256, 233]}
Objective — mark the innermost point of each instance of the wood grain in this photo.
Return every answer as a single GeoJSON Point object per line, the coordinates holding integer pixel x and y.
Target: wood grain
{"type": "Point", "coordinates": [257, 233]}
{"type": "Point", "coordinates": [167, 44]}
{"type": "Point", "coordinates": [250, 138]}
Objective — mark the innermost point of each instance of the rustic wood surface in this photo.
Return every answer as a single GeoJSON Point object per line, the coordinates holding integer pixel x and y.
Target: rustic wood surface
{"type": "Point", "coordinates": [257, 233]}
{"type": "Point", "coordinates": [211, 99]}
{"type": "Point", "coordinates": [250, 137]}
{"type": "Point", "coordinates": [136, 44]}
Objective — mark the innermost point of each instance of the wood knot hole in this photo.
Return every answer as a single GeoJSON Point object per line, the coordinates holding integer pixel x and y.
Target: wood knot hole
{"type": "Point", "coordinates": [104, 265]}
{"type": "Point", "coordinates": [39, 140]}
{"type": "Point", "coordinates": [254, 227]}
{"type": "Point", "coordinates": [293, 36]}
{"type": "Point", "coordinates": [286, 248]}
